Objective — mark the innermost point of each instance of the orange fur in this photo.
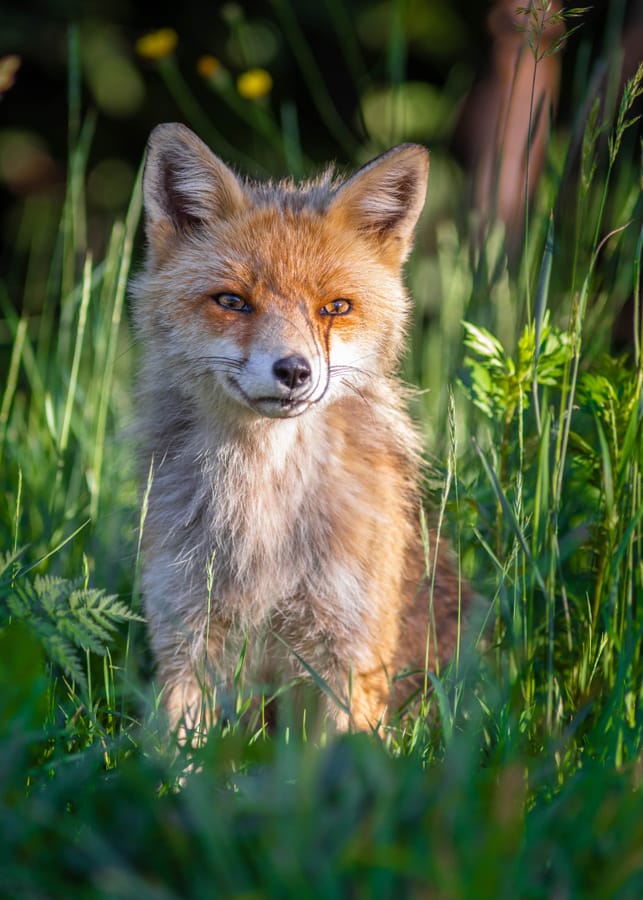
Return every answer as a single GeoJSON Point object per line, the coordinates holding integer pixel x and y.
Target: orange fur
{"type": "Point", "coordinates": [284, 500]}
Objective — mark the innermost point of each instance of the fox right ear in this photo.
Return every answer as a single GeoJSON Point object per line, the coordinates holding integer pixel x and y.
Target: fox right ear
{"type": "Point", "coordinates": [383, 199]}
{"type": "Point", "coordinates": [185, 184]}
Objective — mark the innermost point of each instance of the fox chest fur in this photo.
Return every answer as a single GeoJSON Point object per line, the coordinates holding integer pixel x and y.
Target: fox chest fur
{"type": "Point", "coordinates": [282, 491]}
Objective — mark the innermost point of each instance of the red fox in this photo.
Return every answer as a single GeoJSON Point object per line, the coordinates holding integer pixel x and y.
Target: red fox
{"type": "Point", "coordinates": [283, 507]}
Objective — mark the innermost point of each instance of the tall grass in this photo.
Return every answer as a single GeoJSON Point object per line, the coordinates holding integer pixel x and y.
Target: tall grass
{"type": "Point", "coordinates": [524, 779]}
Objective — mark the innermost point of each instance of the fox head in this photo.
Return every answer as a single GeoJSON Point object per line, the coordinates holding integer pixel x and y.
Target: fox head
{"type": "Point", "coordinates": [271, 298]}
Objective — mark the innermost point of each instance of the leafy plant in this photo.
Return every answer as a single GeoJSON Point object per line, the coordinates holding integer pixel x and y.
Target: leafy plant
{"type": "Point", "coordinates": [500, 384]}
{"type": "Point", "coordinates": [67, 616]}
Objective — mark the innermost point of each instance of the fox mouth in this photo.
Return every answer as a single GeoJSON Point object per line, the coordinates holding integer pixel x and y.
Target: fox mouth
{"type": "Point", "coordinates": [281, 407]}
{"type": "Point", "coordinates": [273, 407]}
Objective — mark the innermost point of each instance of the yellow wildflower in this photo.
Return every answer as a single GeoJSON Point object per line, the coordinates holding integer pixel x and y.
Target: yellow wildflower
{"type": "Point", "coordinates": [207, 66]}
{"type": "Point", "coordinates": [9, 65]}
{"type": "Point", "coordinates": [157, 44]}
{"type": "Point", "coordinates": [254, 84]}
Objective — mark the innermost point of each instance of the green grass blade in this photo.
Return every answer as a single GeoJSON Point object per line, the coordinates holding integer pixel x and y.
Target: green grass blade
{"type": "Point", "coordinates": [509, 514]}
{"type": "Point", "coordinates": [321, 683]}
{"type": "Point", "coordinates": [78, 348]}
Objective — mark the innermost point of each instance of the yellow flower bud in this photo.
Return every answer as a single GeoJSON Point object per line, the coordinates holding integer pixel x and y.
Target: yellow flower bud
{"type": "Point", "coordinates": [254, 84]}
{"type": "Point", "coordinates": [157, 44]}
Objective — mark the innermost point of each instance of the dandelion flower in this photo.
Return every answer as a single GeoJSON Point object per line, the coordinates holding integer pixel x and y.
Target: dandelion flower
{"type": "Point", "coordinates": [254, 84]}
{"type": "Point", "coordinates": [157, 44]}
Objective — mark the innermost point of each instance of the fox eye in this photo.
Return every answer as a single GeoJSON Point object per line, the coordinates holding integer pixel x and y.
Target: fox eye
{"type": "Point", "coordinates": [336, 308]}
{"type": "Point", "coordinates": [232, 301]}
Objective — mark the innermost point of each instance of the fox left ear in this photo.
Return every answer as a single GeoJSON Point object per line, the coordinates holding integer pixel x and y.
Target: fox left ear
{"type": "Point", "coordinates": [184, 185]}
{"type": "Point", "coordinates": [385, 197]}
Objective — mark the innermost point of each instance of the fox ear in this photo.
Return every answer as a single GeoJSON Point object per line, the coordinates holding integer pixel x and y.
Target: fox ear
{"type": "Point", "coordinates": [384, 199]}
{"type": "Point", "coordinates": [185, 184]}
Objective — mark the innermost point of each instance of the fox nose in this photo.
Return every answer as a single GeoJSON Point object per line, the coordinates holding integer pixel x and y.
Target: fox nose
{"type": "Point", "coordinates": [293, 371]}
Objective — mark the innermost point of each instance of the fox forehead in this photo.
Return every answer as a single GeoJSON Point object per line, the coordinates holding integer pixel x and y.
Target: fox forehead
{"type": "Point", "coordinates": [280, 254]}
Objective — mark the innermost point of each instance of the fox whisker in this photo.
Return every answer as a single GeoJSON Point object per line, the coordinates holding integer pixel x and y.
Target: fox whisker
{"type": "Point", "coordinates": [224, 360]}
{"type": "Point", "coordinates": [340, 371]}
{"type": "Point", "coordinates": [353, 387]}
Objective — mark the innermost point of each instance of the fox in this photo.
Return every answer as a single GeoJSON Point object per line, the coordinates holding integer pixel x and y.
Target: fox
{"type": "Point", "coordinates": [283, 497]}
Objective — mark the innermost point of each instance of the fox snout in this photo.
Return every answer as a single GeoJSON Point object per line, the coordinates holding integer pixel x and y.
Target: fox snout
{"type": "Point", "coordinates": [293, 371]}
{"type": "Point", "coordinates": [277, 381]}
{"type": "Point", "coordinates": [288, 387]}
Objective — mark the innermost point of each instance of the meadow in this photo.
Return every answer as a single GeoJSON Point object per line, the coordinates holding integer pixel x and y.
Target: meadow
{"type": "Point", "coordinates": [522, 774]}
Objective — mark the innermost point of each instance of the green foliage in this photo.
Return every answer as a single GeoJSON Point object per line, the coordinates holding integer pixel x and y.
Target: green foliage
{"type": "Point", "coordinates": [499, 384]}
{"type": "Point", "coordinates": [304, 822]}
{"type": "Point", "coordinates": [65, 615]}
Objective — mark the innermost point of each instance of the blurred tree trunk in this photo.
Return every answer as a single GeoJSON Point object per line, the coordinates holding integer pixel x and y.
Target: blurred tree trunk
{"type": "Point", "coordinates": [505, 123]}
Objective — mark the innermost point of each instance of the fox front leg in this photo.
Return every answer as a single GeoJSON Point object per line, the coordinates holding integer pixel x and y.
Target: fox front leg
{"type": "Point", "coordinates": [192, 673]}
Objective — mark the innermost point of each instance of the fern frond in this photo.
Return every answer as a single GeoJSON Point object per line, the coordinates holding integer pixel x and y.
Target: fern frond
{"type": "Point", "coordinates": [7, 561]}
{"type": "Point", "coordinates": [66, 616]}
